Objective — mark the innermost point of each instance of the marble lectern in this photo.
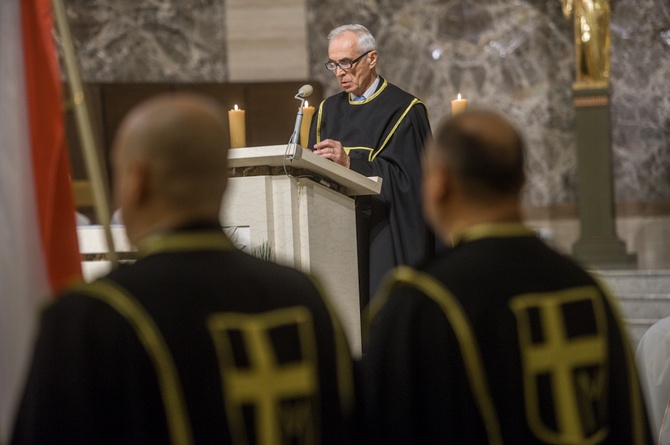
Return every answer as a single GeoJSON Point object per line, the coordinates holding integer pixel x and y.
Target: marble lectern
{"type": "Point", "coordinates": [298, 209]}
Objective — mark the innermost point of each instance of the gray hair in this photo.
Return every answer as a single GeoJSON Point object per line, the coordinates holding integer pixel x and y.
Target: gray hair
{"type": "Point", "coordinates": [366, 41]}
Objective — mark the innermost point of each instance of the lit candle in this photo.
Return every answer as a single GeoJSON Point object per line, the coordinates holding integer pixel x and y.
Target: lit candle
{"type": "Point", "coordinates": [307, 113]}
{"type": "Point", "coordinates": [459, 105]}
{"type": "Point", "coordinates": [237, 128]}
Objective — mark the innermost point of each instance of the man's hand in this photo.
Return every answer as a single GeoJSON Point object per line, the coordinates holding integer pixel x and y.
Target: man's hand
{"type": "Point", "coordinates": [331, 149]}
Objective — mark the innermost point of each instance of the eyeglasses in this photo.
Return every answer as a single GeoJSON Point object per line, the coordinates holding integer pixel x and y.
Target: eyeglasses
{"type": "Point", "coordinates": [345, 64]}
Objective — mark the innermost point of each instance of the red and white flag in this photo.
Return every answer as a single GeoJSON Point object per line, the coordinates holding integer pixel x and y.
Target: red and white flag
{"type": "Point", "coordinates": [39, 254]}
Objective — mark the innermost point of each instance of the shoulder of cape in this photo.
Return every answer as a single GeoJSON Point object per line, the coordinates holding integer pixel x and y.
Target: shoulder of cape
{"type": "Point", "coordinates": [388, 88]}
{"type": "Point", "coordinates": [457, 318]}
{"type": "Point", "coordinates": [408, 100]}
{"type": "Point", "coordinates": [403, 100]}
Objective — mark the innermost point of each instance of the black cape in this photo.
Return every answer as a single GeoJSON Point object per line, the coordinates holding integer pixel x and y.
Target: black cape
{"type": "Point", "coordinates": [502, 340]}
{"type": "Point", "coordinates": [384, 136]}
{"type": "Point", "coordinates": [196, 342]}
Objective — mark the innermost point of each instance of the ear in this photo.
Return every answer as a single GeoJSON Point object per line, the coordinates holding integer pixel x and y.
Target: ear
{"type": "Point", "coordinates": [372, 57]}
{"type": "Point", "coordinates": [438, 183]}
{"type": "Point", "coordinates": [436, 192]}
{"type": "Point", "coordinates": [138, 183]}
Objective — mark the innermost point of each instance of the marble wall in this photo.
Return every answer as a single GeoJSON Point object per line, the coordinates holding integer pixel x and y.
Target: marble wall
{"type": "Point", "coordinates": [514, 56]}
{"type": "Point", "coordinates": [149, 40]}
{"type": "Point", "coordinates": [517, 57]}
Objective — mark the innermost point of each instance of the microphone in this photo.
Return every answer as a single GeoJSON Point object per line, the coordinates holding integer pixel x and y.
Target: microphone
{"type": "Point", "coordinates": [303, 92]}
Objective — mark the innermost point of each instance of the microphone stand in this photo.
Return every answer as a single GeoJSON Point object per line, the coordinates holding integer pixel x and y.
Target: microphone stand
{"type": "Point", "coordinates": [303, 92]}
{"type": "Point", "coordinates": [298, 120]}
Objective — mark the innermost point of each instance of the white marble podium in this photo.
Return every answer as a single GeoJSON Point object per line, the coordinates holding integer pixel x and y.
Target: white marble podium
{"type": "Point", "coordinates": [304, 219]}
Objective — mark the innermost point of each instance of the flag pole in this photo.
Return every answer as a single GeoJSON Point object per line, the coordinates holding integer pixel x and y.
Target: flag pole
{"type": "Point", "coordinates": [83, 120]}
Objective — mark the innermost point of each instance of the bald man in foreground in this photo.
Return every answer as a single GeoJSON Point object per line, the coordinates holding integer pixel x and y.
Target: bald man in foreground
{"type": "Point", "coordinates": [500, 340]}
{"type": "Point", "coordinates": [196, 342]}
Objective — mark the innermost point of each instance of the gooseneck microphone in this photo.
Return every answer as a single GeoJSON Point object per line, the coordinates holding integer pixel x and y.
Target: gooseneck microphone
{"type": "Point", "coordinates": [303, 92]}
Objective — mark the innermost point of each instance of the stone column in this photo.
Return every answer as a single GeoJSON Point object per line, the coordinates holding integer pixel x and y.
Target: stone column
{"type": "Point", "coordinates": [598, 244]}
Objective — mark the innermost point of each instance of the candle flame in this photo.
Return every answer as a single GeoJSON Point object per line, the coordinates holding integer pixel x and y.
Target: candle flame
{"type": "Point", "coordinates": [306, 104]}
{"type": "Point", "coordinates": [235, 108]}
{"type": "Point", "coordinates": [459, 97]}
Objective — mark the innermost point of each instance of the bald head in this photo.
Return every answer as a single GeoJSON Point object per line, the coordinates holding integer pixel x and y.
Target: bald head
{"type": "Point", "coordinates": [169, 160]}
{"type": "Point", "coordinates": [473, 174]}
{"type": "Point", "coordinates": [484, 152]}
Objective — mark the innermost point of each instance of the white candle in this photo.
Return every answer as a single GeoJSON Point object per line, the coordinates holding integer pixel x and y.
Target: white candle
{"type": "Point", "coordinates": [307, 113]}
{"type": "Point", "coordinates": [237, 128]}
{"type": "Point", "coordinates": [458, 105]}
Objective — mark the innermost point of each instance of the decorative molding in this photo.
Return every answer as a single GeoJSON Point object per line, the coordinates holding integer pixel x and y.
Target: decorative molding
{"type": "Point", "coordinates": [592, 101]}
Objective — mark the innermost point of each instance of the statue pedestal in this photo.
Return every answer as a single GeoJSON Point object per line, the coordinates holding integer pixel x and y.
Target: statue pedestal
{"type": "Point", "coordinates": [598, 244]}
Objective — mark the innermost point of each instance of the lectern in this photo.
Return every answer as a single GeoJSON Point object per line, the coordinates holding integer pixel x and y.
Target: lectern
{"type": "Point", "coordinates": [298, 209]}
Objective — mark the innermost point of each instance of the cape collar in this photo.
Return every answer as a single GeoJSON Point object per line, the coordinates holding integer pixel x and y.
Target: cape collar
{"type": "Point", "coordinates": [184, 241]}
{"type": "Point", "coordinates": [492, 230]}
{"type": "Point", "coordinates": [381, 88]}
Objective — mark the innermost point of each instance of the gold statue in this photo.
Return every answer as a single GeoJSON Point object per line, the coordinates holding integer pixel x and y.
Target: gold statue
{"type": "Point", "coordinates": [592, 39]}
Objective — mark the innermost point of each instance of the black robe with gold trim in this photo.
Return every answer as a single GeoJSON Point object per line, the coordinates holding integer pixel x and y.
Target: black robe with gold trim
{"type": "Point", "coordinates": [501, 340]}
{"type": "Point", "coordinates": [196, 342]}
{"type": "Point", "coordinates": [384, 136]}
